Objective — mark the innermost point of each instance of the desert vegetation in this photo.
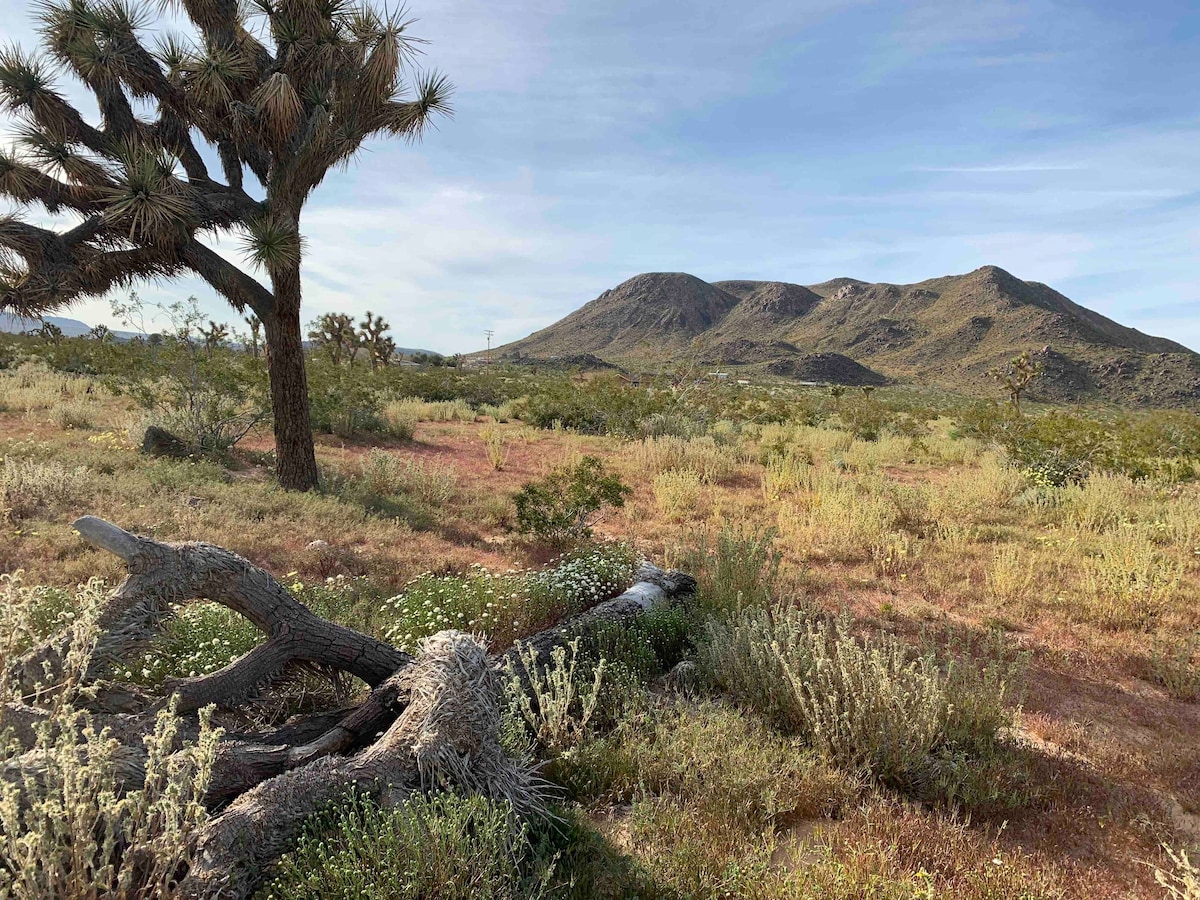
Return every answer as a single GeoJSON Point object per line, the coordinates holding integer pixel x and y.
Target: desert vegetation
{"type": "Point", "coordinates": [938, 647]}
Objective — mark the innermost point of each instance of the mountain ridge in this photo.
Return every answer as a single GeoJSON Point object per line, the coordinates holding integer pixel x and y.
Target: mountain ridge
{"type": "Point", "coordinates": [946, 331]}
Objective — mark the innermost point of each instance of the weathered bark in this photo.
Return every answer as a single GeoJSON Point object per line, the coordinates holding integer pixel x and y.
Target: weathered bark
{"type": "Point", "coordinates": [447, 734]}
{"type": "Point", "coordinates": [425, 724]}
{"type": "Point", "coordinates": [162, 575]}
{"type": "Point", "coordinates": [295, 456]}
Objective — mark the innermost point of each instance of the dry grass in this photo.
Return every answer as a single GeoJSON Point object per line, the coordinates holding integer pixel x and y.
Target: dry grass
{"type": "Point", "coordinates": [1100, 582]}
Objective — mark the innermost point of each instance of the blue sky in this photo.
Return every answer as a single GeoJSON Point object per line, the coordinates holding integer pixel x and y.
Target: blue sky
{"type": "Point", "coordinates": [795, 141]}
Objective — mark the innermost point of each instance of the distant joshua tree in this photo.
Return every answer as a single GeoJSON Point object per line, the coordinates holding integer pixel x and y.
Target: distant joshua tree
{"type": "Point", "coordinates": [215, 335]}
{"type": "Point", "coordinates": [1016, 377]}
{"type": "Point", "coordinates": [285, 90]}
{"type": "Point", "coordinates": [373, 337]}
{"type": "Point", "coordinates": [101, 333]}
{"type": "Point", "coordinates": [334, 334]}
{"type": "Point", "coordinates": [253, 341]}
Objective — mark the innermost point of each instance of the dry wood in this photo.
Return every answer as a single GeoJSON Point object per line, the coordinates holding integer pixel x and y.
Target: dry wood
{"type": "Point", "coordinates": [426, 723]}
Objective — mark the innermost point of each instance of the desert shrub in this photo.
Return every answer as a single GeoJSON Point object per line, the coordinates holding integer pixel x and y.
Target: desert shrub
{"type": "Point", "coordinates": [1127, 582]}
{"type": "Point", "coordinates": [976, 494]}
{"type": "Point", "coordinates": [1062, 447]}
{"type": "Point", "coordinates": [604, 405]}
{"type": "Point", "coordinates": [1175, 666]}
{"type": "Point", "coordinates": [704, 457]}
{"type": "Point", "coordinates": [348, 401]}
{"type": "Point", "coordinates": [210, 398]}
{"type": "Point", "coordinates": [677, 493]}
{"type": "Point", "coordinates": [633, 653]}
{"type": "Point", "coordinates": [60, 833]}
{"type": "Point", "coordinates": [74, 414]}
{"type": "Point", "coordinates": [389, 483]}
{"type": "Point", "coordinates": [506, 605]}
{"type": "Point", "coordinates": [201, 639]}
{"type": "Point", "coordinates": [736, 566]}
{"type": "Point", "coordinates": [562, 507]}
{"type": "Point", "coordinates": [495, 446]}
{"type": "Point", "coordinates": [442, 846]}
{"type": "Point", "coordinates": [29, 488]}
{"type": "Point", "coordinates": [842, 517]}
{"type": "Point", "coordinates": [29, 613]}
{"type": "Point", "coordinates": [864, 417]}
{"type": "Point", "coordinates": [1098, 503]}
{"type": "Point", "coordinates": [708, 789]}
{"type": "Point", "coordinates": [1010, 575]}
{"type": "Point", "coordinates": [400, 420]}
{"type": "Point", "coordinates": [420, 410]}
{"type": "Point", "coordinates": [673, 424]}
{"type": "Point", "coordinates": [872, 707]}
{"type": "Point", "coordinates": [556, 700]}
{"type": "Point", "coordinates": [73, 831]}
{"type": "Point", "coordinates": [785, 473]}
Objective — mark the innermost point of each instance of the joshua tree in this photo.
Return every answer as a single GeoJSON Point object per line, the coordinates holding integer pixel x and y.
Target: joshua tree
{"type": "Point", "coordinates": [334, 333]}
{"type": "Point", "coordinates": [1016, 377]}
{"type": "Point", "coordinates": [100, 333]}
{"type": "Point", "coordinates": [50, 332]}
{"type": "Point", "coordinates": [215, 335]}
{"type": "Point", "coordinates": [373, 335]}
{"type": "Point", "coordinates": [285, 90]}
{"type": "Point", "coordinates": [253, 341]}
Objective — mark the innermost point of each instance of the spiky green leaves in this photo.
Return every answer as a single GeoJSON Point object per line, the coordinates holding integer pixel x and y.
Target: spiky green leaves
{"type": "Point", "coordinates": [149, 202]}
{"type": "Point", "coordinates": [18, 180]}
{"type": "Point", "coordinates": [409, 119]}
{"type": "Point", "coordinates": [24, 80]}
{"type": "Point", "coordinates": [272, 243]}
{"type": "Point", "coordinates": [217, 78]}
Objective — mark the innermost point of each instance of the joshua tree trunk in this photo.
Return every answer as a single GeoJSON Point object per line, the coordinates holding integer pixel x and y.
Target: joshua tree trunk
{"type": "Point", "coordinates": [296, 463]}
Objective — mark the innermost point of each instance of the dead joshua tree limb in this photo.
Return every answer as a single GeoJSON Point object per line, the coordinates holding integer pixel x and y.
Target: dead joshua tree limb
{"type": "Point", "coordinates": [427, 723]}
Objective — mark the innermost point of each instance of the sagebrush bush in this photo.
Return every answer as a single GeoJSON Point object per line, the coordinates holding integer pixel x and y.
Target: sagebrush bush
{"type": "Point", "coordinates": [873, 707]}
{"type": "Point", "coordinates": [556, 700]}
{"type": "Point", "coordinates": [738, 565]}
{"type": "Point", "coordinates": [443, 846]}
{"type": "Point", "coordinates": [78, 828]}
{"type": "Point", "coordinates": [30, 488]}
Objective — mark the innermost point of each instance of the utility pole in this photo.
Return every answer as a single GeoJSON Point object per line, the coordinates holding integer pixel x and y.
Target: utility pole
{"type": "Point", "coordinates": [488, 358]}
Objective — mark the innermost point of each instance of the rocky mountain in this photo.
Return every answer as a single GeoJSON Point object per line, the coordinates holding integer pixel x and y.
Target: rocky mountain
{"type": "Point", "coordinates": [946, 331]}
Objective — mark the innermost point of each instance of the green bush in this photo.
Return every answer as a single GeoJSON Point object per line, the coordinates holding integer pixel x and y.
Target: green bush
{"type": "Point", "coordinates": [873, 707]}
{"type": "Point", "coordinates": [605, 405]}
{"type": "Point", "coordinates": [737, 566]}
{"type": "Point", "coordinates": [345, 401]}
{"type": "Point", "coordinates": [442, 846]}
{"type": "Point", "coordinates": [1064, 446]}
{"type": "Point", "coordinates": [562, 507]}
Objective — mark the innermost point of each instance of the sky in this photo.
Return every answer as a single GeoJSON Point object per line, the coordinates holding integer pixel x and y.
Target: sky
{"type": "Point", "coordinates": [789, 140]}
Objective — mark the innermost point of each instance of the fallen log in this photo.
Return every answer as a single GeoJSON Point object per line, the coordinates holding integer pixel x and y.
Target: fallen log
{"type": "Point", "coordinates": [426, 723]}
